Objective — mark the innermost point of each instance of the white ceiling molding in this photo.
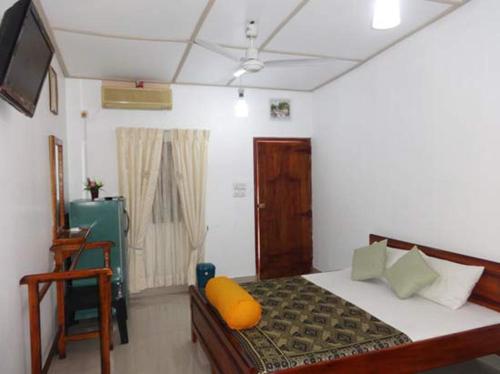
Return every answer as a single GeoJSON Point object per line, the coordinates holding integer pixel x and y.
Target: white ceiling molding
{"type": "Point", "coordinates": [243, 86]}
{"type": "Point", "coordinates": [283, 23]}
{"type": "Point", "coordinates": [194, 34]}
{"type": "Point", "coordinates": [122, 37]}
{"type": "Point", "coordinates": [84, 77]}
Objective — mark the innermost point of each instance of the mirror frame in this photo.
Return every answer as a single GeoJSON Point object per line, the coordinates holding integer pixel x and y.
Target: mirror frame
{"type": "Point", "coordinates": [57, 185]}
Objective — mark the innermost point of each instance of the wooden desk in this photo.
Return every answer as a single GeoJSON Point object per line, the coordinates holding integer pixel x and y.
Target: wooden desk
{"type": "Point", "coordinates": [65, 236]}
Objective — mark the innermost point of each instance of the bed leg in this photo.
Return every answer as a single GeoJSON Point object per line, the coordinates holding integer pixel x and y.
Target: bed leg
{"type": "Point", "coordinates": [194, 338]}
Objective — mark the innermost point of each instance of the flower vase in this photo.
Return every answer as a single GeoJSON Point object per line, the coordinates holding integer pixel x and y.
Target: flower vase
{"type": "Point", "coordinates": [94, 193]}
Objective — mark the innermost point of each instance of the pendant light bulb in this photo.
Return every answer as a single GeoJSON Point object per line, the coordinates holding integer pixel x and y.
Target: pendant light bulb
{"type": "Point", "coordinates": [241, 107]}
{"type": "Point", "coordinates": [386, 14]}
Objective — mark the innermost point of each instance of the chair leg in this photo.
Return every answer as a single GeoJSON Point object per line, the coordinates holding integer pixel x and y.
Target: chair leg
{"type": "Point", "coordinates": [121, 318]}
{"type": "Point", "coordinates": [194, 338]}
{"type": "Point", "coordinates": [104, 328]}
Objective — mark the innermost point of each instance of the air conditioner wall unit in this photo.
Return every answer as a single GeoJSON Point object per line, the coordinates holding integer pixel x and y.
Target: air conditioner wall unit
{"type": "Point", "coordinates": [125, 95]}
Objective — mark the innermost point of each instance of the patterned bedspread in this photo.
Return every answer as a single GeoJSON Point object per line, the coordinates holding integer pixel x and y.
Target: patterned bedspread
{"type": "Point", "coordinates": [303, 324]}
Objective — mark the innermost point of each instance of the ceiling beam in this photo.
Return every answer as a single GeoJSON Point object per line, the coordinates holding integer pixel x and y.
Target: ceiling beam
{"type": "Point", "coordinates": [45, 20]}
{"type": "Point", "coordinates": [117, 36]}
{"type": "Point", "coordinates": [195, 33]}
{"type": "Point", "coordinates": [243, 86]}
{"type": "Point", "coordinates": [283, 23]}
{"type": "Point", "coordinates": [128, 80]}
{"type": "Point", "coordinates": [435, 19]}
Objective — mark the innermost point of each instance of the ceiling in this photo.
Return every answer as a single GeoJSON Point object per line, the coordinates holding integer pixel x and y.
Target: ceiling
{"type": "Point", "coordinates": [152, 40]}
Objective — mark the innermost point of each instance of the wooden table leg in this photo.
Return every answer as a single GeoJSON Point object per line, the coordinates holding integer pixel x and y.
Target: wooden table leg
{"type": "Point", "coordinates": [61, 344]}
{"type": "Point", "coordinates": [104, 315]}
{"type": "Point", "coordinates": [35, 336]}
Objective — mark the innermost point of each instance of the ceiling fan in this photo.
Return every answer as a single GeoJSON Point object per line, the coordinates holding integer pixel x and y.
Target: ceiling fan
{"type": "Point", "coordinates": [251, 63]}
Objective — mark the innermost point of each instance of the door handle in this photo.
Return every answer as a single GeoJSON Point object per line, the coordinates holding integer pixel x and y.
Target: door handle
{"type": "Point", "coordinates": [261, 205]}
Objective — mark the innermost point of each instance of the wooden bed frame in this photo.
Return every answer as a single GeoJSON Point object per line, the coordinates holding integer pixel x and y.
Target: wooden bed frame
{"type": "Point", "coordinates": [226, 355]}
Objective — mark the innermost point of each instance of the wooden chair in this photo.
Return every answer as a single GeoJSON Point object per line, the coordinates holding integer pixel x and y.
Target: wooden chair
{"type": "Point", "coordinates": [35, 296]}
{"type": "Point", "coordinates": [72, 252]}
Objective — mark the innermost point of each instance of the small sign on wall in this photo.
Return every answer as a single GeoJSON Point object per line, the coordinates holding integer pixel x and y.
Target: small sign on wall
{"type": "Point", "coordinates": [239, 190]}
{"type": "Point", "coordinates": [280, 109]}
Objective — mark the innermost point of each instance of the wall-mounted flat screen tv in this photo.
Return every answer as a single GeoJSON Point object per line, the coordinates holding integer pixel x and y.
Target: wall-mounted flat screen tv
{"type": "Point", "coordinates": [25, 55]}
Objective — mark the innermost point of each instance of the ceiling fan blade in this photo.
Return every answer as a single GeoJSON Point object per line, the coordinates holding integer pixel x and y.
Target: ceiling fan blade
{"type": "Point", "coordinates": [216, 49]}
{"type": "Point", "coordinates": [239, 72]}
{"type": "Point", "coordinates": [297, 62]}
{"type": "Point", "coordinates": [227, 78]}
{"type": "Point", "coordinates": [233, 77]}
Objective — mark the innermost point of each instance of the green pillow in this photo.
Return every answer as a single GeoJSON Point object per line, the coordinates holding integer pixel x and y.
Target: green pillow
{"type": "Point", "coordinates": [410, 274]}
{"type": "Point", "coordinates": [369, 262]}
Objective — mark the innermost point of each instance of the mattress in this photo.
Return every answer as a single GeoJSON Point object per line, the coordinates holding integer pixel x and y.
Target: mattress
{"type": "Point", "coordinates": [416, 317]}
{"type": "Point", "coordinates": [303, 323]}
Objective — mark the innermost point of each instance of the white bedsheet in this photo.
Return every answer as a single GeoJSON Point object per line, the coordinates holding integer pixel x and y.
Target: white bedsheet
{"type": "Point", "coordinates": [417, 317]}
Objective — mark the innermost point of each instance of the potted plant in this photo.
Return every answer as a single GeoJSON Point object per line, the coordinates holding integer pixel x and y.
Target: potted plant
{"type": "Point", "coordinates": [93, 186]}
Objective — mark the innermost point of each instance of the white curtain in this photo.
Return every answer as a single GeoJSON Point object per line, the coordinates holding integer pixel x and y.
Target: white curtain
{"type": "Point", "coordinates": [139, 156]}
{"type": "Point", "coordinates": [190, 151]}
{"type": "Point", "coordinates": [167, 245]}
{"type": "Point", "coordinates": [162, 174]}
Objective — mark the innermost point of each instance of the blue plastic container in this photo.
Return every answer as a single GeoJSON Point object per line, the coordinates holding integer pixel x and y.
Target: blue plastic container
{"type": "Point", "coordinates": [204, 272]}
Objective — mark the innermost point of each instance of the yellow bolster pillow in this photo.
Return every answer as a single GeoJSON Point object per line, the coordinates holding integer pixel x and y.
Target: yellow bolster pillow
{"type": "Point", "coordinates": [236, 306]}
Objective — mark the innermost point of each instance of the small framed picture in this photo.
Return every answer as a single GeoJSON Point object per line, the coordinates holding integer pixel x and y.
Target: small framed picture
{"type": "Point", "coordinates": [53, 91]}
{"type": "Point", "coordinates": [280, 109]}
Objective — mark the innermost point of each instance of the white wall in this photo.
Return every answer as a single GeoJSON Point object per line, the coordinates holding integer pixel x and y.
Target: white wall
{"type": "Point", "coordinates": [408, 145]}
{"type": "Point", "coordinates": [25, 221]}
{"type": "Point", "coordinates": [230, 241]}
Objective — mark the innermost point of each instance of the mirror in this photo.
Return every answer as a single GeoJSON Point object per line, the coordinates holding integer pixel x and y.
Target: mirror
{"type": "Point", "coordinates": [57, 185]}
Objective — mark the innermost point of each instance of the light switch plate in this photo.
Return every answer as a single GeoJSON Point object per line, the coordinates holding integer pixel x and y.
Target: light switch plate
{"type": "Point", "coordinates": [239, 190]}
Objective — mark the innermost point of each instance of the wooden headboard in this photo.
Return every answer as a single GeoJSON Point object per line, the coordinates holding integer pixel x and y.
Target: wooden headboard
{"type": "Point", "coordinates": [487, 290]}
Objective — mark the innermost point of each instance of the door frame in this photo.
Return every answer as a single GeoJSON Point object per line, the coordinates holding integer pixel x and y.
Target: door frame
{"type": "Point", "coordinates": [256, 141]}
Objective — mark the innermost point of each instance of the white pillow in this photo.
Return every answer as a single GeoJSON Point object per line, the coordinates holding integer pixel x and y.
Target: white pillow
{"type": "Point", "coordinates": [393, 255]}
{"type": "Point", "coordinates": [455, 282]}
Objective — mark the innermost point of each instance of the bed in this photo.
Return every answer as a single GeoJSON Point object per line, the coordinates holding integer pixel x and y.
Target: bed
{"type": "Point", "coordinates": [428, 334]}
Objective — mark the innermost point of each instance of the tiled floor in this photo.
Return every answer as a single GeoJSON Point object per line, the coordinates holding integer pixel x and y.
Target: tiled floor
{"type": "Point", "coordinates": [160, 342]}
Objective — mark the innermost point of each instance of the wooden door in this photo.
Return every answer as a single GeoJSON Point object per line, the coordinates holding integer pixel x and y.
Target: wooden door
{"type": "Point", "coordinates": [283, 215]}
